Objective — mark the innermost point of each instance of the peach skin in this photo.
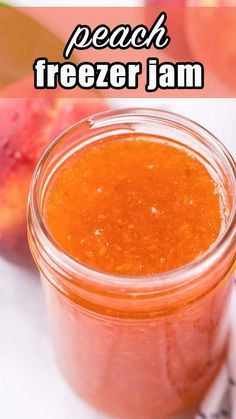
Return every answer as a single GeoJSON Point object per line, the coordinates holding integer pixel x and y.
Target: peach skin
{"type": "Point", "coordinates": [27, 126]}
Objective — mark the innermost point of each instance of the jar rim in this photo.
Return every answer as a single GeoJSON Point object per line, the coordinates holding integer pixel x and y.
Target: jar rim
{"type": "Point", "coordinates": [65, 263]}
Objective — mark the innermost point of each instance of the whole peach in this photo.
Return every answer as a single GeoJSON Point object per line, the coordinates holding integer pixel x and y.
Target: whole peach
{"type": "Point", "coordinates": [217, 25]}
{"type": "Point", "coordinates": [178, 47]}
{"type": "Point", "coordinates": [27, 126]}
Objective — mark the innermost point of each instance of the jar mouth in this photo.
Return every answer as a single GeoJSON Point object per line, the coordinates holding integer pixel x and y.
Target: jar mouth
{"type": "Point", "coordinates": [71, 267]}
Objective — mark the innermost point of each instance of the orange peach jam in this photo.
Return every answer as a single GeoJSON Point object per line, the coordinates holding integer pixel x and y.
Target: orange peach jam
{"type": "Point", "coordinates": [133, 205]}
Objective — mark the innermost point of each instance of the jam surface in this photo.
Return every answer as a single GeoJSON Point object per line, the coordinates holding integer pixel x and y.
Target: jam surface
{"type": "Point", "coordinates": [133, 205]}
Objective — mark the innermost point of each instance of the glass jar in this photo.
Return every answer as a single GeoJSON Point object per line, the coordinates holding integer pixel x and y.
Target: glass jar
{"type": "Point", "coordinates": [139, 347]}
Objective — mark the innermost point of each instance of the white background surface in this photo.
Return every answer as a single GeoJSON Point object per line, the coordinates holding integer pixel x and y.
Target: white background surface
{"type": "Point", "coordinates": [31, 387]}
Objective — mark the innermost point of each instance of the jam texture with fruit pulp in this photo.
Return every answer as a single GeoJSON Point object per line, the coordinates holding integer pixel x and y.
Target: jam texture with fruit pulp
{"type": "Point", "coordinates": [125, 208]}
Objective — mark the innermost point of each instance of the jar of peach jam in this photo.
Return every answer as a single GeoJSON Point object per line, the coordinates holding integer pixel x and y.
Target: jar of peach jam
{"type": "Point", "coordinates": [131, 223]}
